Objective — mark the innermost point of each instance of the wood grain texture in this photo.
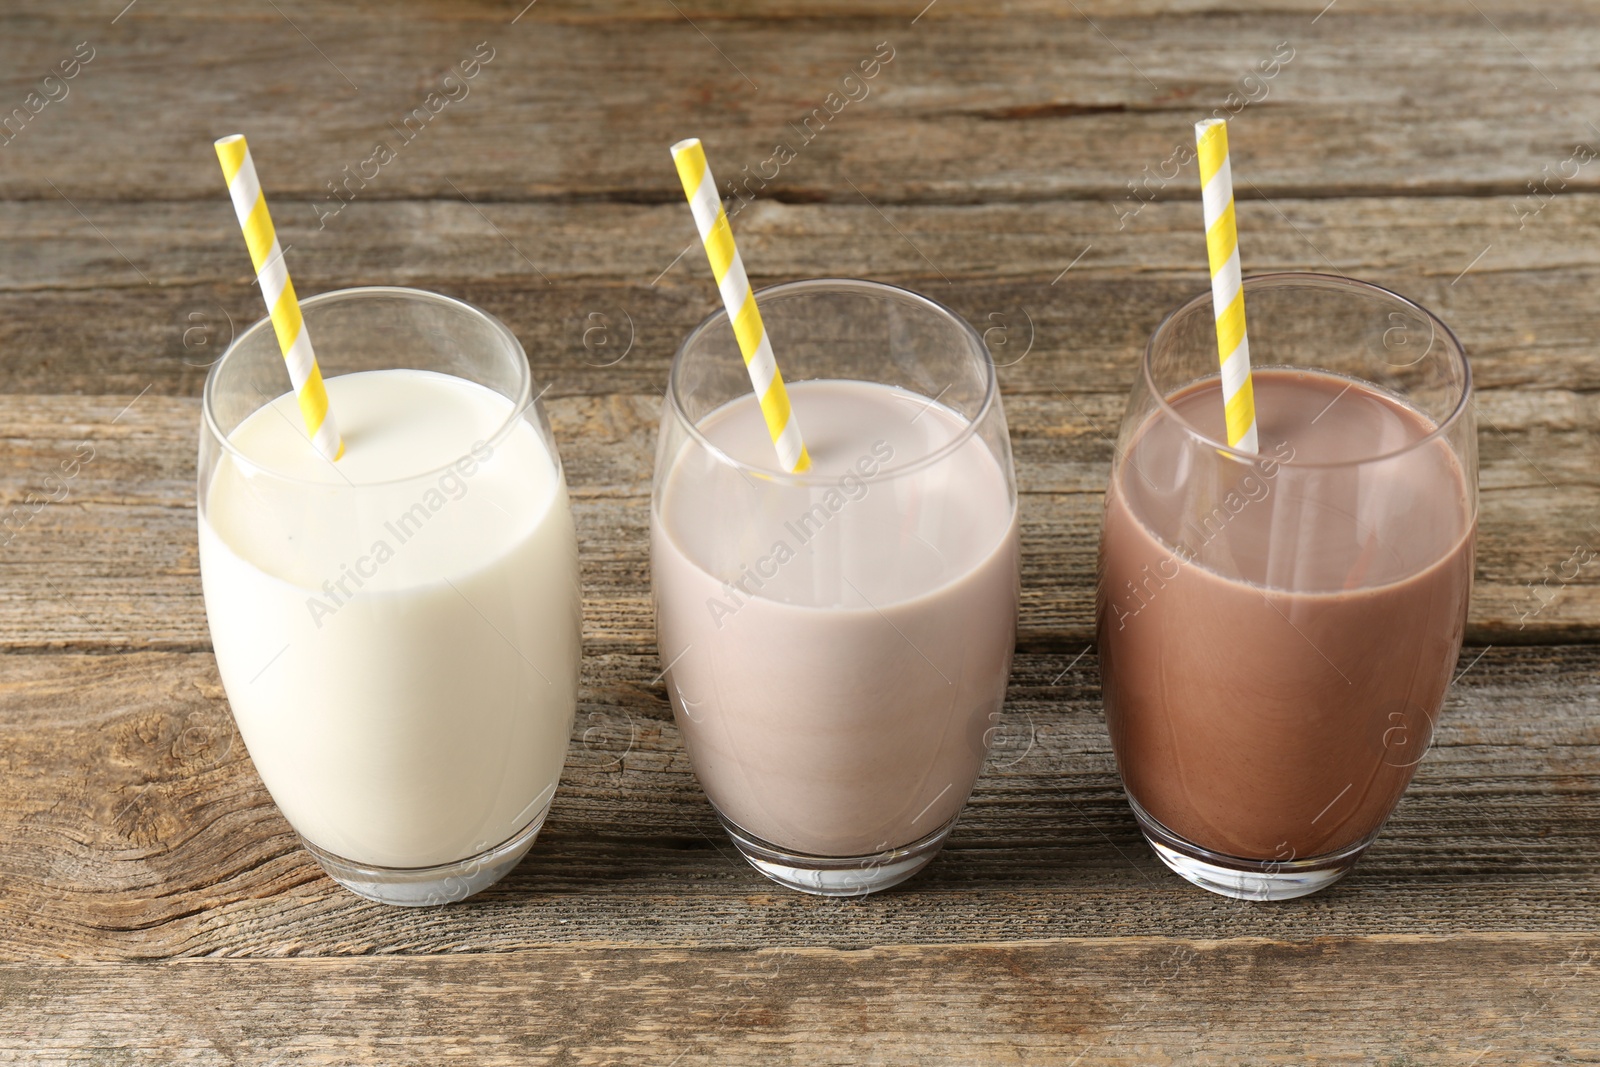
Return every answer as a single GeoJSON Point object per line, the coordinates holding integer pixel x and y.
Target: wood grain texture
{"type": "Point", "coordinates": [136, 828]}
{"type": "Point", "coordinates": [78, 317]}
{"type": "Point", "coordinates": [782, 12]}
{"type": "Point", "coordinates": [1042, 104]}
{"type": "Point", "coordinates": [1469, 1001]}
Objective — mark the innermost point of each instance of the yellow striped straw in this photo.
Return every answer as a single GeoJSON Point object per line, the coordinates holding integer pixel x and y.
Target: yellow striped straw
{"type": "Point", "coordinates": [1227, 284]}
{"type": "Point", "coordinates": [250, 204]}
{"type": "Point", "coordinates": [701, 189]}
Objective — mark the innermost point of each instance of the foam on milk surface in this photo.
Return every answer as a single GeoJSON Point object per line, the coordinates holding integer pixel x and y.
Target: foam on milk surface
{"type": "Point", "coordinates": [863, 529]}
{"type": "Point", "coordinates": [397, 425]}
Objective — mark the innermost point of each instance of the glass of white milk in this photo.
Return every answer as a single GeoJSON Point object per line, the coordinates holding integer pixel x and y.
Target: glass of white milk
{"type": "Point", "coordinates": [397, 631]}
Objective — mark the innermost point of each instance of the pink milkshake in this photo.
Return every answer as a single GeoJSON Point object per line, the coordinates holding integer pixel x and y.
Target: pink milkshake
{"type": "Point", "coordinates": [835, 668]}
{"type": "Point", "coordinates": [836, 645]}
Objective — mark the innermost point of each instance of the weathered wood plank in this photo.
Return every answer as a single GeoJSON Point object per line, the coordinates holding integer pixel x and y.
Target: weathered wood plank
{"type": "Point", "coordinates": [136, 828]}
{"type": "Point", "coordinates": [76, 317]}
{"type": "Point", "coordinates": [779, 12]}
{"type": "Point", "coordinates": [113, 562]}
{"type": "Point", "coordinates": [1525, 330]}
{"type": "Point", "coordinates": [1038, 105]}
{"type": "Point", "coordinates": [1471, 1000]}
{"type": "Point", "coordinates": [49, 246]}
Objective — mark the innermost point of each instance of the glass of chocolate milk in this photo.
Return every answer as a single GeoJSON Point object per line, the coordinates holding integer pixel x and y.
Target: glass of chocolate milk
{"type": "Point", "coordinates": [836, 643]}
{"type": "Point", "coordinates": [1277, 629]}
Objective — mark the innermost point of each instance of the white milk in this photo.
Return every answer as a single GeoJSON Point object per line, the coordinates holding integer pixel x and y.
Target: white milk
{"type": "Point", "coordinates": [400, 648]}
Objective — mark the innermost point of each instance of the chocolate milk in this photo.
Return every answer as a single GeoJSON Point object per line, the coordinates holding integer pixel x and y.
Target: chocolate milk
{"type": "Point", "coordinates": [1249, 719]}
{"type": "Point", "coordinates": [837, 653]}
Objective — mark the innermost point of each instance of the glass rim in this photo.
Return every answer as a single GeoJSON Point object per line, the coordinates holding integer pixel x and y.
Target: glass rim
{"type": "Point", "coordinates": [1314, 280]}
{"type": "Point", "coordinates": [519, 404]}
{"type": "Point", "coordinates": [991, 390]}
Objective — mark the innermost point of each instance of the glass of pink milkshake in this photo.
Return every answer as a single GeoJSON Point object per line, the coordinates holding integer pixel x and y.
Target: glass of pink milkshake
{"type": "Point", "coordinates": [836, 643]}
{"type": "Point", "coordinates": [1277, 629]}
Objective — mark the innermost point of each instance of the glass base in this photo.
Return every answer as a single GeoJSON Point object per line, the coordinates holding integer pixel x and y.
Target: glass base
{"type": "Point", "coordinates": [1246, 879]}
{"type": "Point", "coordinates": [836, 876]}
{"type": "Point", "coordinates": [421, 887]}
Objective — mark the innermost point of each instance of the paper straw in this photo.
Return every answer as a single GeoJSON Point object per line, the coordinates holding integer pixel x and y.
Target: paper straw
{"type": "Point", "coordinates": [726, 266]}
{"type": "Point", "coordinates": [250, 204]}
{"type": "Point", "coordinates": [1227, 286]}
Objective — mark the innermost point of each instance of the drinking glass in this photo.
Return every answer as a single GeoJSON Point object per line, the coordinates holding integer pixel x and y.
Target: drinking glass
{"type": "Point", "coordinates": [1277, 629]}
{"type": "Point", "coordinates": [836, 642]}
{"type": "Point", "coordinates": [399, 642]}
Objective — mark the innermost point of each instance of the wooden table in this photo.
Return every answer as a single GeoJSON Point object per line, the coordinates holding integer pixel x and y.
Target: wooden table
{"type": "Point", "coordinates": [154, 906]}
